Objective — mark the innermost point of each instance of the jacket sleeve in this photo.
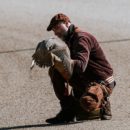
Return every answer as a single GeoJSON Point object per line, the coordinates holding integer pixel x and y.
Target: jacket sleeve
{"type": "Point", "coordinates": [81, 56]}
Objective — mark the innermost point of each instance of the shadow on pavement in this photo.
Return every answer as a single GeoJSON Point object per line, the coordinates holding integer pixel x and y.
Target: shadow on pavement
{"type": "Point", "coordinates": [37, 125]}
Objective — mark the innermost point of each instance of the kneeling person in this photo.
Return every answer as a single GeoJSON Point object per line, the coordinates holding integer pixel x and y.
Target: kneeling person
{"type": "Point", "coordinates": [92, 80]}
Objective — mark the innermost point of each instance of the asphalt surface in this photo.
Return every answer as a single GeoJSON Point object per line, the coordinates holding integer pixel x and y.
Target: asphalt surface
{"type": "Point", "coordinates": [27, 98]}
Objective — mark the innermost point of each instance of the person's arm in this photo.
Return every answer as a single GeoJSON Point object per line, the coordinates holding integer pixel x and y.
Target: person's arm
{"type": "Point", "coordinates": [81, 56]}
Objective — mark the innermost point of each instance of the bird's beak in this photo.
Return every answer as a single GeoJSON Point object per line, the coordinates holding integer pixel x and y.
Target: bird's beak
{"type": "Point", "coordinates": [32, 65]}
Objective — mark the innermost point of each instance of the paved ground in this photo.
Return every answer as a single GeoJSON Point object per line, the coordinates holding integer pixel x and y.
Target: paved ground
{"type": "Point", "coordinates": [27, 98]}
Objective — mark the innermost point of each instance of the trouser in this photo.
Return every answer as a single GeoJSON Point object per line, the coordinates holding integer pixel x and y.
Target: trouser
{"type": "Point", "coordinates": [90, 97]}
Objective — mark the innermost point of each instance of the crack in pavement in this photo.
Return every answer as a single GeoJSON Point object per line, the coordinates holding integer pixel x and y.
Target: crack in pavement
{"type": "Point", "coordinates": [30, 49]}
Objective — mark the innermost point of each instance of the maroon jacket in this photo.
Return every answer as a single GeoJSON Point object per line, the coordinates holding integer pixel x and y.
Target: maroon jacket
{"type": "Point", "coordinates": [90, 62]}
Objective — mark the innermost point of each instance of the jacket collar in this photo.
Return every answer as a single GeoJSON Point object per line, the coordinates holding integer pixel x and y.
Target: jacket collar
{"type": "Point", "coordinates": [70, 33]}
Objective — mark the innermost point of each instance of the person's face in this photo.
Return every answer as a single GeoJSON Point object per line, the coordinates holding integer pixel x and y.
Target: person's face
{"type": "Point", "coordinates": [60, 30]}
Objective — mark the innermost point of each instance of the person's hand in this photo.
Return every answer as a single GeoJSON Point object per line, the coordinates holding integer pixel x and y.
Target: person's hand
{"type": "Point", "coordinates": [64, 66]}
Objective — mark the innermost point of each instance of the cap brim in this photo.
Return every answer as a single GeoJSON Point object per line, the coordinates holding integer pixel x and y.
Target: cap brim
{"type": "Point", "coordinates": [49, 28]}
{"type": "Point", "coordinates": [51, 25]}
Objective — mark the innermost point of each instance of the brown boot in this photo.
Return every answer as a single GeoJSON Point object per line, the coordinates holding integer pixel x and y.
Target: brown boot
{"type": "Point", "coordinates": [106, 110]}
{"type": "Point", "coordinates": [67, 113]}
{"type": "Point", "coordinates": [64, 116]}
{"type": "Point", "coordinates": [83, 115]}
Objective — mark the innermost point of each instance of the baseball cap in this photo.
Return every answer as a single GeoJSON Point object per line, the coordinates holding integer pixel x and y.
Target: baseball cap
{"type": "Point", "coordinates": [58, 18]}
